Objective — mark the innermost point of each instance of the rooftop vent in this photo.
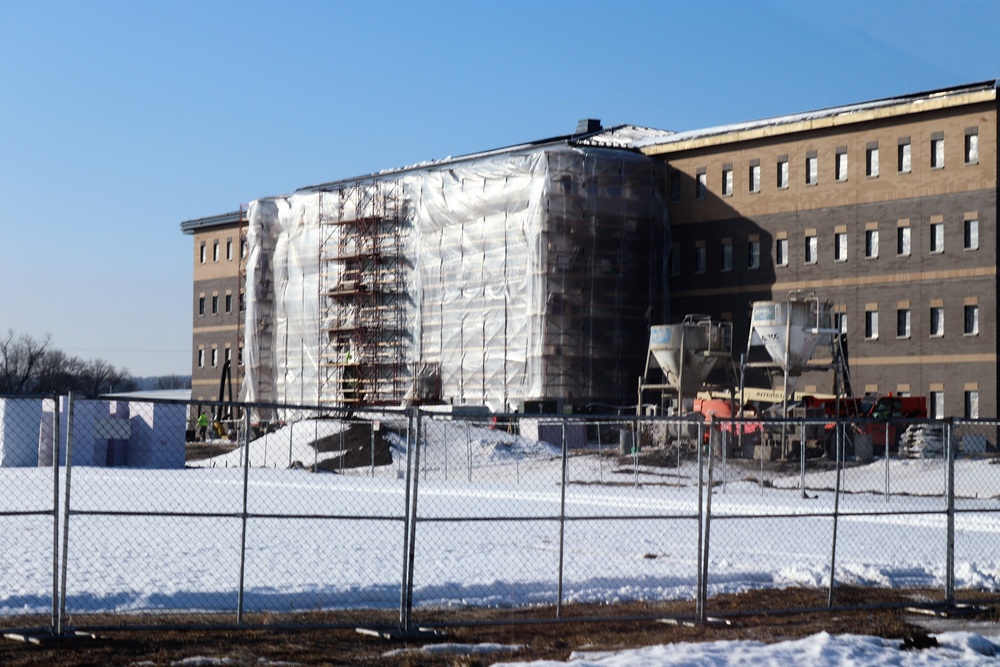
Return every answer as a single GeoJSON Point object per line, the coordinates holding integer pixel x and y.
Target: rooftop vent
{"type": "Point", "coordinates": [588, 125]}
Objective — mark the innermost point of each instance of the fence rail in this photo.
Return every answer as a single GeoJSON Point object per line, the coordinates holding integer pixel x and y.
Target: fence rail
{"type": "Point", "coordinates": [112, 507]}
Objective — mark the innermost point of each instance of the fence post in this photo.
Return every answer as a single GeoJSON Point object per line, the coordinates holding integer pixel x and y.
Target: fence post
{"type": "Point", "coordinates": [404, 618]}
{"type": "Point", "coordinates": [412, 542]}
{"type": "Point", "coordinates": [700, 591]}
{"type": "Point", "coordinates": [885, 454]}
{"type": "Point", "coordinates": [65, 539]}
{"type": "Point", "coordinates": [708, 528]}
{"type": "Point", "coordinates": [838, 436]}
{"type": "Point", "coordinates": [761, 441]}
{"type": "Point", "coordinates": [725, 435]}
{"type": "Point", "coordinates": [600, 454]}
{"type": "Point", "coordinates": [55, 515]}
{"type": "Point", "coordinates": [562, 519]}
{"type": "Point", "coordinates": [950, 486]}
{"type": "Point", "coordinates": [243, 518]}
{"type": "Point", "coordinates": [635, 453]}
{"type": "Point", "coordinates": [803, 428]}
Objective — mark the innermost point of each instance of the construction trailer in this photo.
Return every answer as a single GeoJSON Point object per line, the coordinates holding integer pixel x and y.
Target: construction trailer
{"type": "Point", "coordinates": [510, 279]}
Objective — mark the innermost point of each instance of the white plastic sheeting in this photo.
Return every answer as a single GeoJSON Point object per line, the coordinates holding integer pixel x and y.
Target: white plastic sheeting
{"type": "Point", "coordinates": [528, 275]}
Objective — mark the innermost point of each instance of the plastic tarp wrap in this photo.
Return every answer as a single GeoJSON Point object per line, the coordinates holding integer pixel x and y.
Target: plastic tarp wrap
{"type": "Point", "coordinates": [258, 348]}
{"type": "Point", "coordinates": [282, 303]}
{"type": "Point", "coordinates": [527, 275]}
{"type": "Point", "coordinates": [481, 277]}
{"type": "Point", "coordinates": [296, 322]}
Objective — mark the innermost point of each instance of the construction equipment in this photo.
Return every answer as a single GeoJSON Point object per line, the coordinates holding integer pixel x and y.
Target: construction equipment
{"type": "Point", "coordinates": [876, 419]}
{"type": "Point", "coordinates": [686, 353]}
{"type": "Point", "coordinates": [790, 332]}
{"type": "Point", "coordinates": [224, 409]}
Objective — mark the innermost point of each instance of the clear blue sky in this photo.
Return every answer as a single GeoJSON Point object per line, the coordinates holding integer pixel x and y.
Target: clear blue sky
{"type": "Point", "coordinates": [119, 120]}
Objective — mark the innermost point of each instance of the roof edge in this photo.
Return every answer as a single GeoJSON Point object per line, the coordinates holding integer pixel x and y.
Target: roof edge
{"type": "Point", "coordinates": [233, 217]}
{"type": "Point", "coordinates": [567, 139]}
{"type": "Point", "coordinates": [940, 98]}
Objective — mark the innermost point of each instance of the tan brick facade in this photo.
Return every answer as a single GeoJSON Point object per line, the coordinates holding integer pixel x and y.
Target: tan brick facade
{"type": "Point", "coordinates": [217, 314]}
{"type": "Point", "coordinates": [933, 287]}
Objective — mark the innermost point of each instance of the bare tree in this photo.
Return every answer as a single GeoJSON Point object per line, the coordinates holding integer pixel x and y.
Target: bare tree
{"type": "Point", "coordinates": [100, 377]}
{"type": "Point", "coordinates": [29, 366]}
{"type": "Point", "coordinates": [20, 357]}
{"type": "Point", "coordinates": [173, 382]}
{"type": "Point", "coordinates": [53, 373]}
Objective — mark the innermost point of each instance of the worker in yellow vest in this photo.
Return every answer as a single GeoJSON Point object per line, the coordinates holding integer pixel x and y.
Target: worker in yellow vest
{"type": "Point", "coordinates": [202, 426]}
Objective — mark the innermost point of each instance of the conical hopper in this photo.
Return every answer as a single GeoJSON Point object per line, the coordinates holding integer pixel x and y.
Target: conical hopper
{"type": "Point", "coordinates": [683, 349]}
{"type": "Point", "coordinates": [795, 327]}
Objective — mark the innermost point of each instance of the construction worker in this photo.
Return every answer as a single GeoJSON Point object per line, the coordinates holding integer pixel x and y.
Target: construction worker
{"type": "Point", "coordinates": [202, 426]}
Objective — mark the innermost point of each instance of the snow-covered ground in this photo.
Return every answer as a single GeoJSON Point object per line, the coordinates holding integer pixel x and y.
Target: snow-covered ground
{"type": "Point", "coordinates": [488, 533]}
{"type": "Point", "coordinates": [819, 650]}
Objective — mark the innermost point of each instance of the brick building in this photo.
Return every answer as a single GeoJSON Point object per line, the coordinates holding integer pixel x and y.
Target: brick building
{"type": "Point", "coordinates": [887, 209]}
{"type": "Point", "coordinates": [217, 303]}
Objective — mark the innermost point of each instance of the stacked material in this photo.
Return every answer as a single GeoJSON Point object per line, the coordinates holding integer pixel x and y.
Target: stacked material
{"type": "Point", "coordinates": [923, 441]}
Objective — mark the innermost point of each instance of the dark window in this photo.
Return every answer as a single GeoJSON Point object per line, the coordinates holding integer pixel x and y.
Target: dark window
{"type": "Point", "coordinates": [971, 320]}
{"type": "Point", "coordinates": [903, 155]}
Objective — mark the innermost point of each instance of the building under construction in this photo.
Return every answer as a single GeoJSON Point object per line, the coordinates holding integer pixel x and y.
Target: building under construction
{"type": "Point", "coordinates": [533, 274]}
{"type": "Point", "coordinates": [520, 279]}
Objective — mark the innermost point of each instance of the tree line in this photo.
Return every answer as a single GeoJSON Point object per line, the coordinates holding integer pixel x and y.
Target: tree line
{"type": "Point", "coordinates": [31, 366]}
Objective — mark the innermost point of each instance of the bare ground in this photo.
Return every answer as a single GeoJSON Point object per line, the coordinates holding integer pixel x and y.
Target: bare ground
{"type": "Point", "coordinates": [732, 617]}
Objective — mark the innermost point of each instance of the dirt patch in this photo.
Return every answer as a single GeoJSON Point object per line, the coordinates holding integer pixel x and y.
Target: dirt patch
{"type": "Point", "coordinates": [197, 451]}
{"type": "Point", "coordinates": [740, 617]}
{"type": "Point", "coordinates": [357, 446]}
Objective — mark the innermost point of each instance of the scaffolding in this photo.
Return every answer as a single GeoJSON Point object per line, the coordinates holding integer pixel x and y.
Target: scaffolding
{"type": "Point", "coordinates": [601, 228]}
{"type": "Point", "coordinates": [362, 295]}
{"type": "Point", "coordinates": [500, 281]}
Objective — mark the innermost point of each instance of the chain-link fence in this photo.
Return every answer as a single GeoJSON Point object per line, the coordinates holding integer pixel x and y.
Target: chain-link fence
{"type": "Point", "coordinates": [388, 517]}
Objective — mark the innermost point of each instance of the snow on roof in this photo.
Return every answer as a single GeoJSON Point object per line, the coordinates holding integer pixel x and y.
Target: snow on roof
{"type": "Point", "coordinates": [153, 395]}
{"type": "Point", "coordinates": [625, 136]}
{"type": "Point", "coordinates": [831, 112]}
{"type": "Point", "coordinates": [628, 137]}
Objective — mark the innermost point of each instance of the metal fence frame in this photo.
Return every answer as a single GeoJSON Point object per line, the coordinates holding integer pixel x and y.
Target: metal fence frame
{"type": "Point", "coordinates": [708, 456]}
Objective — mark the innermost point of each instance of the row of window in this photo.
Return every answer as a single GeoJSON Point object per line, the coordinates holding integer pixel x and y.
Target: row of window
{"type": "Point", "coordinates": [935, 404]}
{"type": "Point", "coordinates": [970, 241]}
{"type": "Point", "coordinates": [217, 250]}
{"type": "Point", "coordinates": [228, 300]}
{"type": "Point", "coordinates": [970, 321]}
{"type": "Point", "coordinates": [811, 168]}
{"type": "Point", "coordinates": [214, 356]}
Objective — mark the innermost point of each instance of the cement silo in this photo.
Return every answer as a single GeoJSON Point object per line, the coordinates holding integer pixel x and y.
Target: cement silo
{"type": "Point", "coordinates": [687, 353]}
{"type": "Point", "coordinates": [792, 332]}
